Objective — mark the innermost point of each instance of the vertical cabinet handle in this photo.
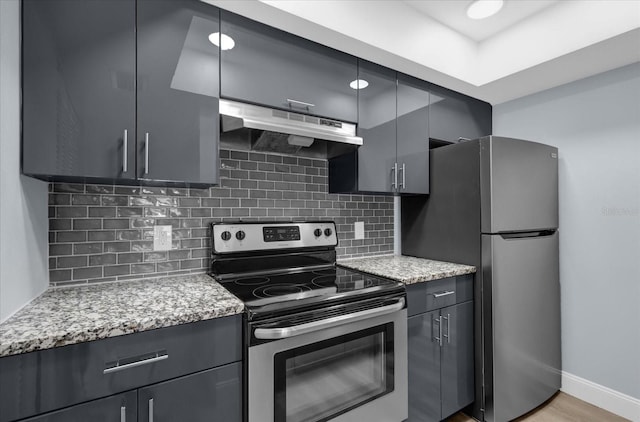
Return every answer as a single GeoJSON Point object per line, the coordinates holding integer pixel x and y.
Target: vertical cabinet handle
{"type": "Point", "coordinates": [403, 184]}
{"type": "Point", "coordinates": [150, 410]}
{"type": "Point", "coordinates": [123, 414]}
{"type": "Point", "coordinates": [439, 321]}
{"type": "Point", "coordinates": [394, 176]}
{"type": "Point", "coordinates": [125, 149]}
{"type": "Point", "coordinates": [146, 153]}
{"type": "Point", "coordinates": [448, 318]}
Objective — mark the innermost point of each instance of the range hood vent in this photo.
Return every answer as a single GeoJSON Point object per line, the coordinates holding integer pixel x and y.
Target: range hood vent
{"type": "Point", "coordinates": [304, 129]}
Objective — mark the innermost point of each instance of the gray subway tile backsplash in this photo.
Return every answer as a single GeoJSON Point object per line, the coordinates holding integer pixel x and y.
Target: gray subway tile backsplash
{"type": "Point", "coordinates": [105, 232]}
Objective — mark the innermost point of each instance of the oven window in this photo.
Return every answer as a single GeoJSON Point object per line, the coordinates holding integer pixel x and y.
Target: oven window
{"type": "Point", "coordinates": [321, 380]}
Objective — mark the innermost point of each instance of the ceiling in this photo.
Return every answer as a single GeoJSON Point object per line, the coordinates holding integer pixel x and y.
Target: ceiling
{"type": "Point", "coordinates": [529, 46]}
{"type": "Point", "coordinates": [452, 13]}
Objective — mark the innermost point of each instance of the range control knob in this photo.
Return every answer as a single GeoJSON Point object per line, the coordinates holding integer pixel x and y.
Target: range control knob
{"type": "Point", "coordinates": [226, 235]}
{"type": "Point", "coordinates": [317, 232]}
{"type": "Point", "coordinates": [240, 235]}
{"type": "Point", "coordinates": [328, 232]}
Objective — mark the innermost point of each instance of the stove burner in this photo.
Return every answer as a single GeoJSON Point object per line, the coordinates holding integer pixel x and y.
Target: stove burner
{"type": "Point", "coordinates": [324, 281]}
{"type": "Point", "coordinates": [279, 290]}
{"type": "Point", "coordinates": [252, 281]}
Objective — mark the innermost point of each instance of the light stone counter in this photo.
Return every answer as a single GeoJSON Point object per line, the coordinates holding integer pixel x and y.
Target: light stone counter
{"type": "Point", "coordinates": [407, 269]}
{"type": "Point", "coordinates": [69, 315]}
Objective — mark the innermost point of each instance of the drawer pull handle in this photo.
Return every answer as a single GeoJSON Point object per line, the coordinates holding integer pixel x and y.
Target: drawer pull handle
{"type": "Point", "coordinates": [441, 294]}
{"type": "Point", "coordinates": [145, 360]}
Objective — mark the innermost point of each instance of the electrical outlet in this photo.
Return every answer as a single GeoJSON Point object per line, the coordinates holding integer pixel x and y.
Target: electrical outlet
{"type": "Point", "coordinates": [359, 230]}
{"type": "Point", "coordinates": [162, 238]}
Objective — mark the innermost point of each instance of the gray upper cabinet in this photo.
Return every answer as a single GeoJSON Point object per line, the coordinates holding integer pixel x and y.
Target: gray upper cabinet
{"type": "Point", "coordinates": [413, 135]}
{"type": "Point", "coordinates": [270, 67]}
{"type": "Point", "coordinates": [178, 91]}
{"type": "Point", "coordinates": [393, 121]}
{"type": "Point", "coordinates": [454, 117]}
{"type": "Point", "coordinates": [377, 127]}
{"type": "Point", "coordinates": [78, 95]}
{"type": "Point", "coordinates": [119, 91]}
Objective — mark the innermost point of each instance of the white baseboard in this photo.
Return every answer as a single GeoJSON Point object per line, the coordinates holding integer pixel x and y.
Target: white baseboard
{"type": "Point", "coordinates": [603, 397]}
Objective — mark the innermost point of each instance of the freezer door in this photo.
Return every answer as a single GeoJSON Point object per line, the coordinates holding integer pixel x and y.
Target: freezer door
{"type": "Point", "coordinates": [522, 277]}
{"type": "Point", "coordinates": [518, 185]}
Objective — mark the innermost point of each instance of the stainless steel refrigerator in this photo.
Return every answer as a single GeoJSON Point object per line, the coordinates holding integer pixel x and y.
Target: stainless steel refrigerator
{"type": "Point", "coordinates": [494, 204]}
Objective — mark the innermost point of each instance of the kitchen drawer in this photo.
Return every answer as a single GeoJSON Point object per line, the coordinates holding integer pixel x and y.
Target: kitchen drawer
{"type": "Point", "coordinates": [430, 295]}
{"type": "Point", "coordinates": [46, 380]}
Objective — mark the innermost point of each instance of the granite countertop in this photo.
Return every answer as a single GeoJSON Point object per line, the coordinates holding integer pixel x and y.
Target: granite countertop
{"type": "Point", "coordinates": [407, 269]}
{"type": "Point", "coordinates": [69, 315]}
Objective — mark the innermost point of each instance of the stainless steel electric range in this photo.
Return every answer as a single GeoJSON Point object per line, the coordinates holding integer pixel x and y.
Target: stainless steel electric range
{"type": "Point", "coordinates": [322, 342]}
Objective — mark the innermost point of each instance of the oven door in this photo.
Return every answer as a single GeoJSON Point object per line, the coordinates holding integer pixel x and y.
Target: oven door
{"type": "Point", "coordinates": [345, 368]}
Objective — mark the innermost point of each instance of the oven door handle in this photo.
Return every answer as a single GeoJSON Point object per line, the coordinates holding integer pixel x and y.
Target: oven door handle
{"type": "Point", "coordinates": [296, 330]}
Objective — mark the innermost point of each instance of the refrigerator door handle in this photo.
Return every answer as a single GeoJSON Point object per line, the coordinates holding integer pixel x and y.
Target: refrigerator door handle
{"type": "Point", "coordinates": [528, 234]}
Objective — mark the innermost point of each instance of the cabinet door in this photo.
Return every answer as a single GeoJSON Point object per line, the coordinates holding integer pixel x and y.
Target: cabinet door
{"type": "Point", "coordinates": [208, 396]}
{"type": "Point", "coordinates": [377, 127]}
{"type": "Point", "coordinates": [413, 135]}
{"type": "Point", "coordinates": [118, 408]}
{"type": "Point", "coordinates": [424, 367]}
{"type": "Point", "coordinates": [453, 116]}
{"type": "Point", "coordinates": [457, 357]}
{"type": "Point", "coordinates": [178, 91]}
{"type": "Point", "coordinates": [270, 67]}
{"type": "Point", "coordinates": [78, 84]}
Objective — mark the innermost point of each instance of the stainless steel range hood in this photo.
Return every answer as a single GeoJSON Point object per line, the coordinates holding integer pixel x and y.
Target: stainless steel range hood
{"type": "Point", "coordinates": [300, 128]}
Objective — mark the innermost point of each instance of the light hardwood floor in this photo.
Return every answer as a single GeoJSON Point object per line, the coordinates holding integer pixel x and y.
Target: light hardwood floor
{"type": "Point", "coordinates": [560, 408]}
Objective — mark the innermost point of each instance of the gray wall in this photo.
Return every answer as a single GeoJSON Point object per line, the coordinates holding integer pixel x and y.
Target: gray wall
{"type": "Point", "coordinates": [595, 123]}
{"type": "Point", "coordinates": [104, 232]}
{"type": "Point", "coordinates": [23, 203]}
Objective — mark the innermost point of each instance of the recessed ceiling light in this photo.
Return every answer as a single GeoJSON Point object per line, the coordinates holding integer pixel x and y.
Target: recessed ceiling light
{"type": "Point", "coordinates": [481, 9]}
{"type": "Point", "coordinates": [227, 42]}
{"type": "Point", "coordinates": [359, 84]}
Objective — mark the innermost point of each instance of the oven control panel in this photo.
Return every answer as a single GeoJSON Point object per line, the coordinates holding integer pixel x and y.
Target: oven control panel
{"type": "Point", "coordinates": [281, 233]}
{"type": "Point", "coordinates": [245, 237]}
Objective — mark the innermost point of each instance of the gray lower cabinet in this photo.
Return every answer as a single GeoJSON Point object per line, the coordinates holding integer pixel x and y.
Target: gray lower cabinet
{"type": "Point", "coordinates": [212, 395]}
{"type": "Point", "coordinates": [440, 340]}
{"type": "Point", "coordinates": [208, 396]}
{"type": "Point", "coordinates": [266, 66]}
{"type": "Point", "coordinates": [120, 91]}
{"type": "Point", "coordinates": [198, 362]}
{"type": "Point", "coordinates": [118, 408]}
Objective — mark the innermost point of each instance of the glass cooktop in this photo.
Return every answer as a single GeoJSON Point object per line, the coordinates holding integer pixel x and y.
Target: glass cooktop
{"type": "Point", "coordinates": [282, 291]}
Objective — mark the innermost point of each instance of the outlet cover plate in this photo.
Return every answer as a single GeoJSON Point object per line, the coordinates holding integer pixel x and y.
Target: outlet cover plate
{"type": "Point", "coordinates": [359, 230]}
{"type": "Point", "coordinates": [162, 236]}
